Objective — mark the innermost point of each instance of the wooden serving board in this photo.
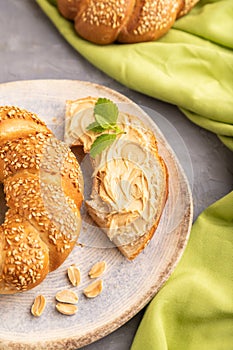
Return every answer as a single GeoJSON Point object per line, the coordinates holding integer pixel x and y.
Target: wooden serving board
{"type": "Point", "coordinates": [128, 286]}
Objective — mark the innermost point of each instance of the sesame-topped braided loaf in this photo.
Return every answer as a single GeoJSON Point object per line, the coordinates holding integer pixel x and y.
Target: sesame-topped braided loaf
{"type": "Point", "coordinates": [126, 21]}
{"type": "Point", "coordinates": [44, 190]}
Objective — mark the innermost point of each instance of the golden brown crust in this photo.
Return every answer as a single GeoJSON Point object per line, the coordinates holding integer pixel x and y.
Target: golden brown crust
{"type": "Point", "coordinates": [68, 8]}
{"type": "Point", "coordinates": [101, 21]}
{"type": "Point", "coordinates": [24, 259]}
{"type": "Point", "coordinates": [72, 180]}
{"type": "Point", "coordinates": [22, 153]}
{"type": "Point", "coordinates": [186, 7]}
{"type": "Point", "coordinates": [15, 121]}
{"type": "Point", "coordinates": [40, 176]}
{"type": "Point", "coordinates": [126, 21]}
{"type": "Point", "coordinates": [149, 21]}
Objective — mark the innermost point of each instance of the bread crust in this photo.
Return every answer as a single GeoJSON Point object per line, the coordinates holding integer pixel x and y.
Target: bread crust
{"type": "Point", "coordinates": [68, 8]}
{"type": "Point", "coordinates": [126, 21]}
{"type": "Point", "coordinates": [142, 24]}
{"type": "Point", "coordinates": [102, 21]}
{"type": "Point", "coordinates": [44, 191]}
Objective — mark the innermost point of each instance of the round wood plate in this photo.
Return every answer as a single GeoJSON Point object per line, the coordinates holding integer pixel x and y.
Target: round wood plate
{"type": "Point", "coordinates": [128, 286]}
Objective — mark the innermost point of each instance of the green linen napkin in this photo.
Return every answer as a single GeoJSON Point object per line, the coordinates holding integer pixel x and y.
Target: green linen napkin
{"type": "Point", "coordinates": [191, 66]}
{"type": "Point", "coordinates": [194, 309]}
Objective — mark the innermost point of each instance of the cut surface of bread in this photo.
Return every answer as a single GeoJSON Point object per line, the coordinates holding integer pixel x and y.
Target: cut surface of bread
{"type": "Point", "coordinates": [130, 179]}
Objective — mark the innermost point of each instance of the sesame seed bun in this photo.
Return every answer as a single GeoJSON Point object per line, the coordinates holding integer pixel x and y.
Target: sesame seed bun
{"type": "Point", "coordinates": [44, 190]}
{"type": "Point", "coordinates": [126, 21]}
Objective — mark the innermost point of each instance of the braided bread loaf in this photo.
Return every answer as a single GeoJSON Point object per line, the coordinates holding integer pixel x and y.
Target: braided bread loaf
{"type": "Point", "coordinates": [43, 187]}
{"type": "Point", "coordinates": [126, 21]}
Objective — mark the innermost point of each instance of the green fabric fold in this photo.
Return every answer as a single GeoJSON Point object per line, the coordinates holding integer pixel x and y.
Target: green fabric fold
{"type": "Point", "coordinates": [194, 309]}
{"type": "Point", "coordinates": [191, 66]}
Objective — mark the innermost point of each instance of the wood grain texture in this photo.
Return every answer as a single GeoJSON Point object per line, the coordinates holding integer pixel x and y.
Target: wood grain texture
{"type": "Point", "coordinates": [127, 286]}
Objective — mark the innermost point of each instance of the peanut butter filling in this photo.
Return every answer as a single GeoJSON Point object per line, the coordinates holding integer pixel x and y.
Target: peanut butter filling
{"type": "Point", "coordinates": [126, 176]}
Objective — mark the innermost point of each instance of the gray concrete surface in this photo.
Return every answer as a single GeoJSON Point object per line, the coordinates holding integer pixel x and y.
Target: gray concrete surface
{"type": "Point", "coordinates": [31, 48]}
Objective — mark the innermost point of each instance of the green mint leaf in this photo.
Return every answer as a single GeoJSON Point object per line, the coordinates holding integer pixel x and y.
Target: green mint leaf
{"type": "Point", "coordinates": [95, 127]}
{"type": "Point", "coordinates": [102, 122]}
{"type": "Point", "coordinates": [106, 112]}
{"type": "Point", "coordinates": [101, 142]}
{"type": "Point", "coordinates": [118, 130]}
